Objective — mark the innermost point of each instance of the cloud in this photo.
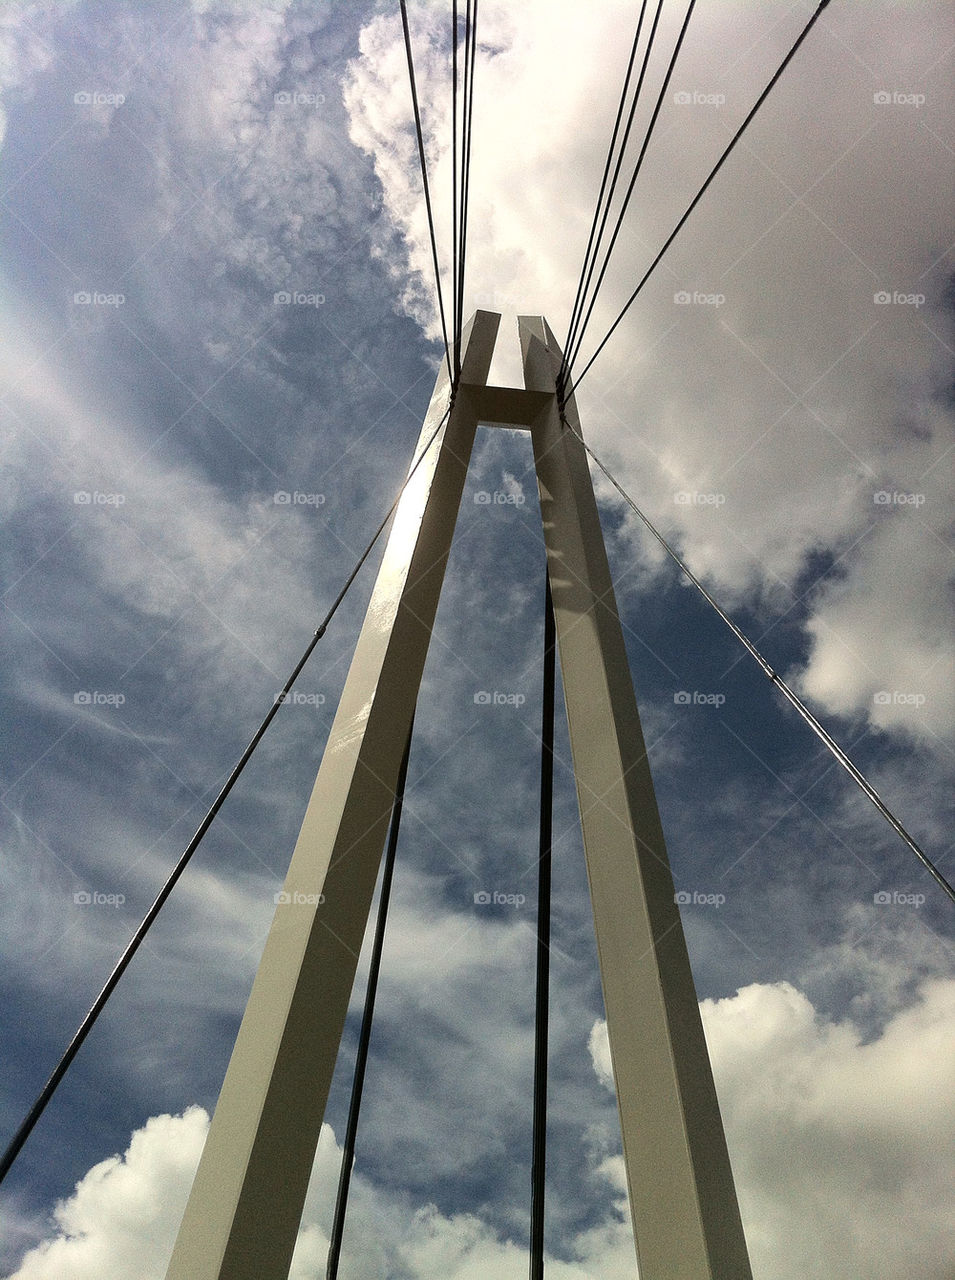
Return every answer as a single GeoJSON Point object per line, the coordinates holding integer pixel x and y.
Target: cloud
{"type": "Point", "coordinates": [174, 544]}
{"type": "Point", "coordinates": [841, 1148]}
{"type": "Point", "coordinates": [881, 642]}
{"type": "Point", "coordinates": [209, 194]}
{"type": "Point", "coordinates": [124, 1214]}
{"type": "Point", "coordinates": [26, 48]}
{"type": "Point", "coordinates": [121, 1221]}
{"type": "Point", "coordinates": [599, 1046]}
{"type": "Point", "coordinates": [755, 429]}
{"type": "Point", "coordinates": [827, 1132]}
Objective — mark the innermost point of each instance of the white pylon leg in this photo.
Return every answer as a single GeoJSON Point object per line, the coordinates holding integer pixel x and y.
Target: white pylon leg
{"type": "Point", "coordinates": [243, 1213]}
{"type": "Point", "coordinates": [680, 1183]}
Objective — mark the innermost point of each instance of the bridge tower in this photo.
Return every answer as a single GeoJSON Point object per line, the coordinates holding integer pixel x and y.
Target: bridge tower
{"type": "Point", "coordinates": [244, 1210]}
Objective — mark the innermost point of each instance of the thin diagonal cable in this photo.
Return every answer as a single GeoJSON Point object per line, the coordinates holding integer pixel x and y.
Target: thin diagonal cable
{"type": "Point", "coordinates": [574, 340]}
{"type": "Point", "coordinates": [578, 296]}
{"type": "Point", "coordinates": [467, 118]}
{"type": "Point", "coordinates": [855, 773]}
{"type": "Point", "coordinates": [456, 335]}
{"type": "Point", "coordinates": [633, 182]}
{"type": "Point", "coordinates": [542, 998]}
{"type": "Point", "coordinates": [593, 245]}
{"type": "Point", "coordinates": [368, 1016]}
{"type": "Point", "coordinates": [462, 173]}
{"type": "Point", "coordinates": [459, 174]}
{"type": "Point", "coordinates": [699, 195]}
{"type": "Point", "coordinates": [606, 174]}
{"type": "Point", "coordinates": [39, 1106]}
{"type": "Point", "coordinates": [425, 184]}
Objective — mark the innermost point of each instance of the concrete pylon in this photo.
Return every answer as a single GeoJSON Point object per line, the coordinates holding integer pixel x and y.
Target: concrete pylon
{"type": "Point", "coordinates": [243, 1213]}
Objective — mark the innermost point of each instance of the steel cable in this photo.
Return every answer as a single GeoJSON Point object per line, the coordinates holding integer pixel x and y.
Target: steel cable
{"type": "Point", "coordinates": [569, 389]}
{"type": "Point", "coordinates": [791, 696]}
{"type": "Point", "coordinates": [542, 995]}
{"type": "Point", "coordinates": [33, 1115]}
{"type": "Point", "coordinates": [424, 180]}
{"type": "Point", "coordinates": [368, 1016]}
{"type": "Point", "coordinates": [572, 355]}
{"type": "Point", "coordinates": [593, 241]}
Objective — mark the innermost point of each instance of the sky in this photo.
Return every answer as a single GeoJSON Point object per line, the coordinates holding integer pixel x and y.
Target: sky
{"type": "Point", "coordinates": [779, 400]}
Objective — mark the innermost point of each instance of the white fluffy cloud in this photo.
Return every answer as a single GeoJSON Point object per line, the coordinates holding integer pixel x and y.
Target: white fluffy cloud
{"type": "Point", "coordinates": [798, 397]}
{"type": "Point", "coordinates": [123, 1216]}
{"type": "Point", "coordinates": [842, 1150]}
{"type": "Point", "coordinates": [844, 1160]}
{"type": "Point", "coordinates": [881, 642]}
{"type": "Point", "coordinates": [121, 1222]}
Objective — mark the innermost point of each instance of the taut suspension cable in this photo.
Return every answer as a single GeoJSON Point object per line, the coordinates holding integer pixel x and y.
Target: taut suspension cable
{"type": "Point", "coordinates": [461, 165]}
{"type": "Point", "coordinates": [538, 1165]}
{"type": "Point", "coordinates": [46, 1093]}
{"type": "Point", "coordinates": [572, 355]}
{"type": "Point", "coordinates": [788, 693]}
{"type": "Point", "coordinates": [569, 389]}
{"type": "Point", "coordinates": [586, 270]}
{"type": "Point", "coordinates": [424, 181]}
{"type": "Point", "coordinates": [364, 1038]}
